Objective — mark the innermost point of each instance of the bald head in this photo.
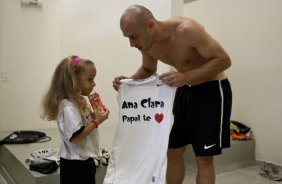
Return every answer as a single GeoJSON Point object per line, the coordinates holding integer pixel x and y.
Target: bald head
{"type": "Point", "coordinates": [137, 14]}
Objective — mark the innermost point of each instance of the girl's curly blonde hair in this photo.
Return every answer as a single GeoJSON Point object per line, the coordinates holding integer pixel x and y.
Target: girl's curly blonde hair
{"type": "Point", "coordinates": [64, 86]}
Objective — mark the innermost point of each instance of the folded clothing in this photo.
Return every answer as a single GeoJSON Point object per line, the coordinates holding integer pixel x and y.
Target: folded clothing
{"type": "Point", "coordinates": [44, 167]}
{"type": "Point", "coordinates": [43, 155]}
{"type": "Point", "coordinates": [102, 159]}
{"type": "Point", "coordinates": [47, 161]}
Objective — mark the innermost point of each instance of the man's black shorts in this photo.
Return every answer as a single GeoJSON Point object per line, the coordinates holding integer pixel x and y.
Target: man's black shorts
{"type": "Point", "coordinates": [202, 117]}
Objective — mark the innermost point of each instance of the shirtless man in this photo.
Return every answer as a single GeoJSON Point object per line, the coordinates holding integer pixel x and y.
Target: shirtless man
{"type": "Point", "coordinates": [203, 99]}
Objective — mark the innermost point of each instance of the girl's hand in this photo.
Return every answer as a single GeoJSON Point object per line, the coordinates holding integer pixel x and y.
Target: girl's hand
{"type": "Point", "coordinates": [101, 114]}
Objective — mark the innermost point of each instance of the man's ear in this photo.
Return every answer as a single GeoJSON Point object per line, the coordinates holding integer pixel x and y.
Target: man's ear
{"type": "Point", "coordinates": [150, 24]}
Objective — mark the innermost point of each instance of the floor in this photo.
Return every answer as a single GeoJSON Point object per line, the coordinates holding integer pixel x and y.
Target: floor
{"type": "Point", "coordinates": [2, 180]}
{"type": "Point", "coordinates": [247, 175]}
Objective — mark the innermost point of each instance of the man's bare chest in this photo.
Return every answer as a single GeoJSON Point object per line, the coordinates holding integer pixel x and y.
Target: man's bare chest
{"type": "Point", "coordinates": [174, 55]}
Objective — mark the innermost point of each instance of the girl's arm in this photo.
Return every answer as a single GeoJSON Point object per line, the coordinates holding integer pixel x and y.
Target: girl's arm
{"type": "Point", "coordinates": [100, 117]}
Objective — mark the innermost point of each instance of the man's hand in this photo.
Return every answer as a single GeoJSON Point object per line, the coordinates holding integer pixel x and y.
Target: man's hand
{"type": "Point", "coordinates": [174, 79]}
{"type": "Point", "coordinates": [116, 81]}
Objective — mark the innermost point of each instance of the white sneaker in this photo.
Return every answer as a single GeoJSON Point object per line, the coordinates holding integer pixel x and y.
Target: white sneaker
{"type": "Point", "coordinates": [270, 171]}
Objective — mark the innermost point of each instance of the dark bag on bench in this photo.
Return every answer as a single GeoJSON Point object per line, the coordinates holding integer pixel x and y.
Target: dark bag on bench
{"type": "Point", "coordinates": [44, 167]}
{"type": "Point", "coordinates": [24, 137]}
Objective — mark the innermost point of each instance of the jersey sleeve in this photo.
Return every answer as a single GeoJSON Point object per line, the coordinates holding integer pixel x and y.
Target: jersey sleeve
{"type": "Point", "coordinates": [72, 122]}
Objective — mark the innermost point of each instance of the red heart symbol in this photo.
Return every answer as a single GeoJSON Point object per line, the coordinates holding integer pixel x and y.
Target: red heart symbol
{"type": "Point", "coordinates": [159, 117]}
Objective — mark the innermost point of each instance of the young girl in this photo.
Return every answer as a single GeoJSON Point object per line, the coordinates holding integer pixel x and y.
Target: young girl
{"type": "Point", "coordinates": [64, 102]}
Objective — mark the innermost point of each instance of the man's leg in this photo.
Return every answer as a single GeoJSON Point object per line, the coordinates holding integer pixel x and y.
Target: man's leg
{"type": "Point", "coordinates": [175, 166]}
{"type": "Point", "coordinates": [206, 172]}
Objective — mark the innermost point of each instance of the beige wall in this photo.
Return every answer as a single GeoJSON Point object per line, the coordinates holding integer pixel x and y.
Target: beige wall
{"type": "Point", "coordinates": [251, 33]}
{"type": "Point", "coordinates": [30, 48]}
{"type": "Point", "coordinates": [36, 39]}
{"type": "Point", "coordinates": [1, 10]}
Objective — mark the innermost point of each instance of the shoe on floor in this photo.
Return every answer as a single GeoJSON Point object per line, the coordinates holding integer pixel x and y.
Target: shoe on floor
{"type": "Point", "coordinates": [273, 167]}
{"type": "Point", "coordinates": [270, 171]}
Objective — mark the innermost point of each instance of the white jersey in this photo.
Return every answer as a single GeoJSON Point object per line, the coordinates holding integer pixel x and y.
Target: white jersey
{"type": "Point", "coordinates": [71, 123]}
{"type": "Point", "coordinates": [141, 141]}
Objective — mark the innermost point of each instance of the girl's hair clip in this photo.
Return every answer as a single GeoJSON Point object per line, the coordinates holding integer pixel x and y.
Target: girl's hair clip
{"type": "Point", "coordinates": [75, 61]}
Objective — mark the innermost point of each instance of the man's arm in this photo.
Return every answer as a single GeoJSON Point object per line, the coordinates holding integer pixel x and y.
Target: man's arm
{"type": "Point", "coordinates": [208, 48]}
{"type": "Point", "coordinates": [148, 67]}
{"type": "Point", "coordinates": [215, 59]}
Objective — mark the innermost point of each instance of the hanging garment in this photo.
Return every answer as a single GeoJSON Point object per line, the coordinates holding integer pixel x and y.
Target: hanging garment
{"type": "Point", "coordinates": [141, 141]}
